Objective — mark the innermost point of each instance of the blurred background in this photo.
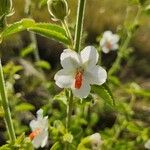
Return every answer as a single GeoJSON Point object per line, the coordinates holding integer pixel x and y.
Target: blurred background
{"type": "Point", "coordinates": [100, 15]}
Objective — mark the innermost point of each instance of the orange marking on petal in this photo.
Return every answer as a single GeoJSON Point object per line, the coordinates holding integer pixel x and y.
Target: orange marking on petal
{"type": "Point", "coordinates": [34, 133]}
{"type": "Point", "coordinates": [78, 79]}
{"type": "Point", "coordinates": [108, 45]}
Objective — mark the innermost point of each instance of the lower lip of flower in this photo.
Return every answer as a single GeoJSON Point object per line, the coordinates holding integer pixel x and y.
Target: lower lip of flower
{"type": "Point", "coordinates": [78, 79]}
{"type": "Point", "coordinates": [34, 133]}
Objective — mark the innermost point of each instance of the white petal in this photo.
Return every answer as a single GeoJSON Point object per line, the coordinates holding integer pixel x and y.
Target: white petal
{"type": "Point", "coordinates": [34, 124]}
{"type": "Point", "coordinates": [97, 75]}
{"type": "Point", "coordinates": [115, 46]}
{"type": "Point", "coordinates": [147, 144]}
{"type": "Point", "coordinates": [89, 56]}
{"type": "Point", "coordinates": [39, 113]}
{"type": "Point", "coordinates": [37, 141]}
{"type": "Point", "coordinates": [45, 138]}
{"type": "Point", "coordinates": [70, 59]}
{"type": "Point", "coordinates": [107, 34]}
{"type": "Point", "coordinates": [84, 91]}
{"type": "Point", "coordinates": [102, 42]}
{"type": "Point", "coordinates": [115, 38]}
{"type": "Point", "coordinates": [64, 78]}
{"type": "Point", "coordinates": [105, 49]}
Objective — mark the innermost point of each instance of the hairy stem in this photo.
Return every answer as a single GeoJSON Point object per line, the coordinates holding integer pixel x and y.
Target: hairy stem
{"type": "Point", "coordinates": [65, 26]}
{"type": "Point", "coordinates": [79, 25]}
{"type": "Point", "coordinates": [115, 67]}
{"type": "Point", "coordinates": [69, 109]}
{"type": "Point", "coordinates": [28, 11]}
{"type": "Point", "coordinates": [5, 105]}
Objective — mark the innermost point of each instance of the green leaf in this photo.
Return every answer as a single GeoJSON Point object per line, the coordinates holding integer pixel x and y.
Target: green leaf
{"type": "Point", "coordinates": [24, 107]}
{"type": "Point", "coordinates": [1, 111]}
{"type": "Point", "coordinates": [57, 146]}
{"type": "Point", "coordinates": [27, 50]}
{"type": "Point", "coordinates": [43, 64]}
{"type": "Point", "coordinates": [17, 27]}
{"type": "Point", "coordinates": [147, 10]}
{"type": "Point", "coordinates": [61, 97]}
{"type": "Point", "coordinates": [50, 31]}
{"type": "Point", "coordinates": [105, 93]}
{"type": "Point", "coordinates": [45, 29]}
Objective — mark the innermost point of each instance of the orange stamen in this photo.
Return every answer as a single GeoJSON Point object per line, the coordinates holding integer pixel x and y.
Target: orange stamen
{"type": "Point", "coordinates": [78, 79]}
{"type": "Point", "coordinates": [34, 133]}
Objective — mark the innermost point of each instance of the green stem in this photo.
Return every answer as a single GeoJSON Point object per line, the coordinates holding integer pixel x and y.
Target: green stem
{"type": "Point", "coordinates": [69, 109]}
{"type": "Point", "coordinates": [28, 9]}
{"type": "Point", "coordinates": [5, 105]}
{"type": "Point", "coordinates": [115, 67]}
{"type": "Point", "coordinates": [36, 51]}
{"type": "Point", "coordinates": [65, 26]}
{"type": "Point", "coordinates": [69, 96]}
{"type": "Point", "coordinates": [79, 25]}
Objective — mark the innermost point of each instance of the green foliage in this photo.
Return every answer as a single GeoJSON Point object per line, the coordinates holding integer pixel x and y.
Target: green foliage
{"type": "Point", "coordinates": [43, 64]}
{"type": "Point", "coordinates": [104, 92]}
{"type": "Point", "coordinates": [44, 29]}
{"type": "Point", "coordinates": [24, 107]}
{"type": "Point", "coordinates": [27, 50]}
{"type": "Point", "coordinates": [22, 143]}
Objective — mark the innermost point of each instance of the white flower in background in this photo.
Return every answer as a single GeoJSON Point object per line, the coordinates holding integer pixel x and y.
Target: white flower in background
{"type": "Point", "coordinates": [109, 41]}
{"type": "Point", "coordinates": [39, 126]}
{"type": "Point", "coordinates": [147, 144]}
{"type": "Point", "coordinates": [96, 141]}
{"type": "Point", "coordinates": [79, 71]}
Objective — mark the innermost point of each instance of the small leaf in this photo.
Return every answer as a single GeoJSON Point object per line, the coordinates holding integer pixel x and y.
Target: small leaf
{"type": "Point", "coordinates": [61, 97]}
{"type": "Point", "coordinates": [105, 93]}
{"type": "Point", "coordinates": [27, 50]}
{"type": "Point", "coordinates": [24, 107]}
{"type": "Point", "coordinates": [147, 10]}
{"type": "Point", "coordinates": [57, 146]}
{"type": "Point", "coordinates": [43, 64]}
{"type": "Point", "coordinates": [68, 137]}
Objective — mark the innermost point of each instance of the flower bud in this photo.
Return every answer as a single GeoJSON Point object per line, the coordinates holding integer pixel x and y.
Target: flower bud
{"type": "Point", "coordinates": [58, 9]}
{"type": "Point", "coordinates": [95, 141]}
{"type": "Point", "coordinates": [92, 142]}
{"type": "Point", "coordinates": [5, 8]}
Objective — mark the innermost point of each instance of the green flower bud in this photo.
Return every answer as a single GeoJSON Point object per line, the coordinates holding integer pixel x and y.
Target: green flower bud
{"type": "Point", "coordinates": [58, 9]}
{"type": "Point", "coordinates": [5, 8]}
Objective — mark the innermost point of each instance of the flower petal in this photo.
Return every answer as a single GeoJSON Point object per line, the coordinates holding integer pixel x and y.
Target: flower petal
{"type": "Point", "coordinates": [107, 34]}
{"type": "Point", "coordinates": [70, 59]}
{"type": "Point", "coordinates": [97, 75]}
{"type": "Point", "coordinates": [37, 141]}
{"type": "Point", "coordinates": [115, 46]}
{"type": "Point", "coordinates": [64, 78]}
{"type": "Point", "coordinates": [45, 138]}
{"type": "Point", "coordinates": [41, 139]}
{"type": "Point", "coordinates": [89, 56]}
{"type": "Point", "coordinates": [115, 38]}
{"type": "Point", "coordinates": [105, 49]}
{"type": "Point", "coordinates": [84, 90]}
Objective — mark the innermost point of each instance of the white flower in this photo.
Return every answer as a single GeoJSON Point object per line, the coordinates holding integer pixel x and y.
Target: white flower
{"type": "Point", "coordinates": [109, 41]}
{"type": "Point", "coordinates": [147, 144]}
{"type": "Point", "coordinates": [96, 141]}
{"type": "Point", "coordinates": [39, 126]}
{"type": "Point", "coordinates": [79, 71]}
